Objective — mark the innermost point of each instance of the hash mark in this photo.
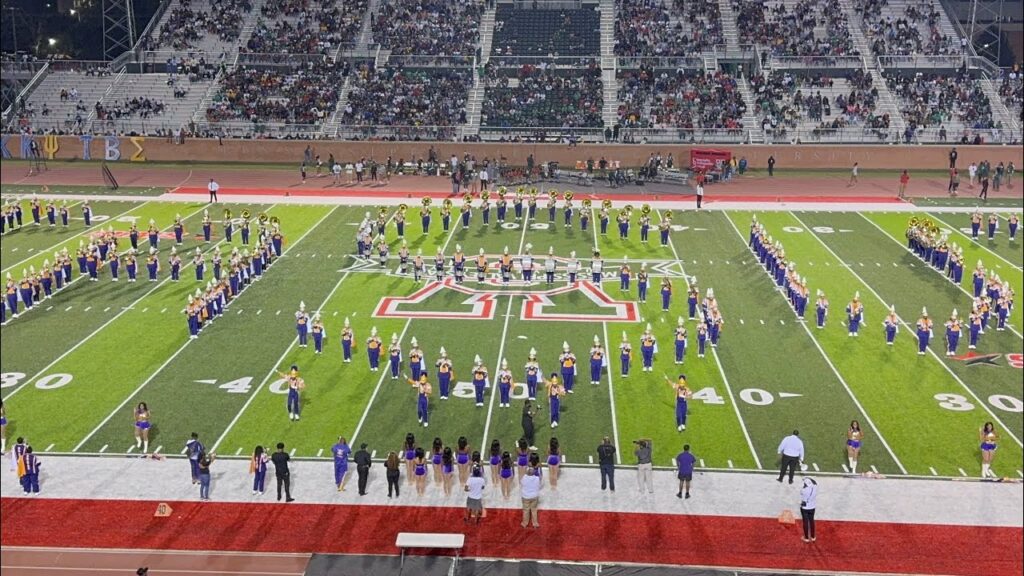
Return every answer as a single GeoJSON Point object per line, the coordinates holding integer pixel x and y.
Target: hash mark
{"type": "Point", "coordinates": [48, 448]}
{"type": "Point", "coordinates": [845, 469]}
{"type": "Point", "coordinates": [729, 462]}
{"type": "Point", "coordinates": [130, 449]}
{"type": "Point", "coordinates": [48, 308]}
{"type": "Point", "coordinates": [815, 466]}
{"type": "Point", "coordinates": [104, 449]}
{"type": "Point", "coordinates": [293, 452]}
{"type": "Point", "coordinates": [335, 313]}
{"type": "Point", "coordinates": [783, 322]}
{"type": "Point", "coordinates": [762, 322]}
{"type": "Point", "coordinates": [239, 311]}
{"type": "Point", "coordinates": [1019, 473]}
{"type": "Point", "coordinates": [962, 473]}
{"type": "Point", "coordinates": [107, 309]}
{"type": "Point", "coordinates": [87, 308]}
{"type": "Point", "coordinates": [239, 451]}
{"type": "Point", "coordinates": [158, 448]}
{"type": "Point", "coordinates": [877, 264]}
{"type": "Point", "coordinates": [183, 450]}
{"type": "Point", "coordinates": [68, 308]}
{"type": "Point", "coordinates": [321, 451]}
{"type": "Point", "coordinates": [873, 469]}
{"type": "Point", "coordinates": [278, 313]}
{"type": "Point", "coordinates": [145, 309]}
{"type": "Point", "coordinates": [590, 459]}
{"type": "Point", "coordinates": [258, 312]}
{"type": "Point", "coordinates": [933, 471]}
{"type": "Point", "coordinates": [701, 462]}
{"type": "Point", "coordinates": [741, 320]}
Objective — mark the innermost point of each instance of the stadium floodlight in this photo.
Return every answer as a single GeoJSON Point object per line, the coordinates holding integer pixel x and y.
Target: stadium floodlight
{"type": "Point", "coordinates": [51, 41]}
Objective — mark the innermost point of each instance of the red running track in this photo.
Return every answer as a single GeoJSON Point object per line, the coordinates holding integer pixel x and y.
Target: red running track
{"type": "Point", "coordinates": [573, 536]}
{"type": "Point", "coordinates": [416, 195]}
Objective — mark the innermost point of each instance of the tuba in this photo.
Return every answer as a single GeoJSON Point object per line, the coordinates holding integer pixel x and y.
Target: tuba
{"type": "Point", "coordinates": [645, 209]}
{"type": "Point", "coordinates": [275, 221]}
{"type": "Point", "coordinates": [668, 215]}
{"type": "Point", "coordinates": [246, 214]}
{"type": "Point", "coordinates": [382, 211]}
{"type": "Point", "coordinates": [262, 217]}
{"type": "Point", "coordinates": [485, 195]}
{"type": "Point", "coordinates": [447, 203]}
{"type": "Point", "coordinates": [628, 209]}
{"type": "Point", "coordinates": [606, 204]}
{"type": "Point", "coordinates": [568, 196]}
{"type": "Point", "coordinates": [227, 214]}
{"type": "Point", "coordinates": [553, 194]}
{"type": "Point", "coordinates": [426, 201]}
{"type": "Point", "coordinates": [403, 207]}
{"type": "Point", "coordinates": [914, 221]}
{"type": "Point", "coordinates": [587, 203]}
{"type": "Point", "coordinates": [533, 194]}
{"type": "Point", "coordinates": [520, 192]}
{"type": "Point", "coordinates": [467, 198]}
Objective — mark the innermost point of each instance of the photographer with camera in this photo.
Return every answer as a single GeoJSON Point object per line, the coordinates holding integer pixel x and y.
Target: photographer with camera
{"type": "Point", "coordinates": [644, 466]}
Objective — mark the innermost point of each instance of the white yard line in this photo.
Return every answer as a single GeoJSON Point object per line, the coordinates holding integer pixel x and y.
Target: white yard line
{"type": "Point", "coordinates": [100, 329]}
{"type": "Point", "coordinates": [180, 349]}
{"type": "Point", "coordinates": [980, 242]}
{"type": "Point", "coordinates": [828, 360]}
{"type": "Point", "coordinates": [501, 347]}
{"type": "Point", "coordinates": [380, 381]}
{"type": "Point", "coordinates": [911, 331]}
{"type": "Point", "coordinates": [607, 351]}
{"type": "Point", "coordinates": [962, 289]}
{"type": "Point", "coordinates": [718, 363]}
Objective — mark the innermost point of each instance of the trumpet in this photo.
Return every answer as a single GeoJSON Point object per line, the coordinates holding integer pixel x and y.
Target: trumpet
{"type": "Point", "coordinates": [645, 209]}
{"type": "Point", "coordinates": [587, 203]}
{"type": "Point", "coordinates": [246, 214]}
{"type": "Point", "coordinates": [606, 204]}
{"type": "Point", "coordinates": [262, 217]}
{"type": "Point", "coordinates": [568, 196]}
{"type": "Point", "coordinates": [275, 221]}
{"type": "Point", "coordinates": [426, 201]}
{"type": "Point", "coordinates": [227, 214]}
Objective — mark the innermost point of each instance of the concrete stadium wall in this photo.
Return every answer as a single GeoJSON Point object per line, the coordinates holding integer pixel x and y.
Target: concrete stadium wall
{"type": "Point", "coordinates": [804, 156]}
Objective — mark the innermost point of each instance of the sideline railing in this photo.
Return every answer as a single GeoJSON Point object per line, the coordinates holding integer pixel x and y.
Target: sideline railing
{"type": "Point", "coordinates": [815, 62]}
{"type": "Point", "coordinates": [912, 61]}
{"type": "Point", "coordinates": [675, 62]}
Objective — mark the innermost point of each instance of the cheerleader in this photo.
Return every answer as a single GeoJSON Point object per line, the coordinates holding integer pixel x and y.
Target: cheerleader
{"type": "Point", "coordinates": [555, 394]}
{"type": "Point", "coordinates": [522, 456]}
{"type": "Point", "coordinates": [419, 470]}
{"type": "Point", "coordinates": [554, 460]}
{"type": "Point", "coordinates": [409, 454]}
{"type": "Point", "coordinates": [258, 469]}
{"type": "Point", "coordinates": [318, 334]}
{"type": "Point", "coordinates": [462, 453]}
{"type": "Point", "coordinates": [854, 315]}
{"type": "Point", "coordinates": [952, 334]}
{"type": "Point", "coordinates": [435, 459]}
{"type": "Point", "coordinates": [373, 344]}
{"type": "Point", "coordinates": [854, 437]}
{"type": "Point", "coordinates": [347, 341]}
{"type": "Point", "coordinates": [506, 474]}
{"type": "Point", "coordinates": [989, 441]}
{"type": "Point", "coordinates": [495, 461]}
{"type": "Point", "coordinates": [142, 427]}
{"type": "Point", "coordinates": [424, 390]}
{"type": "Point", "coordinates": [505, 384]}
{"type": "Point", "coordinates": [533, 374]}
{"type": "Point", "coordinates": [447, 471]}
{"type": "Point", "coordinates": [625, 355]}
{"type": "Point", "coordinates": [666, 294]}
{"type": "Point", "coordinates": [394, 357]}
{"type": "Point", "coordinates": [891, 326]}
{"type": "Point", "coordinates": [648, 348]}
{"type": "Point", "coordinates": [445, 373]}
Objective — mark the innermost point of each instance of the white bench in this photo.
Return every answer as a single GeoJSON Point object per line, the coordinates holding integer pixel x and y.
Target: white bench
{"type": "Point", "coordinates": [431, 540]}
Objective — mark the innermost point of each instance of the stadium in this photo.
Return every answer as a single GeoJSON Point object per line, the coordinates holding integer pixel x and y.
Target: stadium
{"type": "Point", "coordinates": [332, 287]}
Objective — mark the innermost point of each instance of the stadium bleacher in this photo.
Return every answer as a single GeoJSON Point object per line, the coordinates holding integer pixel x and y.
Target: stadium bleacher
{"type": "Point", "coordinates": [931, 102]}
{"type": "Point", "coordinates": [656, 28]}
{"type": "Point", "coordinates": [544, 96]}
{"type": "Point", "coordinates": [689, 100]}
{"type": "Point", "coordinates": [304, 95]}
{"type": "Point", "coordinates": [305, 27]}
{"type": "Point", "coordinates": [546, 33]}
{"type": "Point", "coordinates": [428, 27]}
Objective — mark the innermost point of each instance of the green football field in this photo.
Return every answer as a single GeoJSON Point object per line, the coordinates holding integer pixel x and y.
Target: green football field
{"type": "Point", "coordinates": [75, 366]}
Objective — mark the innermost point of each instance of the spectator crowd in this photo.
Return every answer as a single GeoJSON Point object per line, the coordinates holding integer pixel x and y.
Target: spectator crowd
{"type": "Point", "coordinates": [930, 100]}
{"type": "Point", "coordinates": [408, 97]}
{"type": "Point", "coordinates": [185, 25]}
{"type": "Point", "coordinates": [129, 108]}
{"type": "Point", "coordinates": [650, 28]}
{"type": "Point", "coordinates": [916, 31]}
{"type": "Point", "coordinates": [687, 100]}
{"type": "Point", "coordinates": [546, 33]}
{"type": "Point", "coordinates": [792, 31]}
{"type": "Point", "coordinates": [428, 27]}
{"type": "Point", "coordinates": [306, 27]}
{"type": "Point", "coordinates": [306, 95]}
{"type": "Point", "coordinates": [543, 96]}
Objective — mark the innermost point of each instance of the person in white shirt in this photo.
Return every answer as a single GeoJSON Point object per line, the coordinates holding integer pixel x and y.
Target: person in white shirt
{"type": "Point", "coordinates": [483, 179]}
{"type": "Point", "coordinates": [808, 503]}
{"type": "Point", "coordinates": [972, 171]}
{"type": "Point", "coordinates": [213, 187]}
{"type": "Point", "coordinates": [792, 451]}
{"type": "Point", "coordinates": [475, 497]}
{"type": "Point", "coordinates": [529, 489]}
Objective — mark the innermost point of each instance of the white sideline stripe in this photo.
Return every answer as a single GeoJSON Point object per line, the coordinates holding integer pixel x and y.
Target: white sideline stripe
{"type": "Point", "coordinates": [961, 288]}
{"type": "Point", "coordinates": [380, 381]}
{"type": "Point", "coordinates": [501, 347]}
{"type": "Point", "coordinates": [67, 241]}
{"type": "Point", "coordinates": [934, 355]}
{"type": "Point", "coordinates": [175, 355]}
{"type": "Point", "coordinates": [607, 351]}
{"type": "Point", "coordinates": [718, 363]}
{"type": "Point", "coordinates": [828, 360]}
{"type": "Point", "coordinates": [979, 244]}
{"type": "Point", "coordinates": [94, 332]}
{"type": "Point", "coordinates": [273, 371]}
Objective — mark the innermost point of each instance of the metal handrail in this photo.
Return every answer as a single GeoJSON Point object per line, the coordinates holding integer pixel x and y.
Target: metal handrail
{"type": "Point", "coordinates": [941, 61]}
{"type": "Point", "coordinates": [32, 83]}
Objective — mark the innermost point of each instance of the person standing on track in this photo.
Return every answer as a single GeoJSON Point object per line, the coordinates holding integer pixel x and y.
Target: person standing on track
{"type": "Point", "coordinates": [792, 451]}
{"type": "Point", "coordinates": [808, 504]}
{"type": "Point", "coordinates": [363, 462]}
{"type": "Point", "coordinates": [393, 472]}
{"type": "Point", "coordinates": [193, 448]}
{"type": "Point", "coordinates": [685, 462]}
{"type": "Point", "coordinates": [205, 460]}
{"type": "Point", "coordinates": [904, 180]}
{"type": "Point", "coordinates": [644, 465]}
{"type": "Point", "coordinates": [771, 166]}
{"type": "Point", "coordinates": [213, 187]}
{"type": "Point", "coordinates": [952, 157]}
{"type": "Point", "coordinates": [527, 422]}
{"type": "Point", "coordinates": [700, 188]}
{"type": "Point", "coordinates": [341, 452]}
{"type": "Point", "coordinates": [284, 478]}
{"type": "Point", "coordinates": [258, 469]}
{"type": "Point", "coordinates": [606, 460]}
{"type": "Point", "coordinates": [854, 172]}
{"type": "Point", "coordinates": [972, 172]}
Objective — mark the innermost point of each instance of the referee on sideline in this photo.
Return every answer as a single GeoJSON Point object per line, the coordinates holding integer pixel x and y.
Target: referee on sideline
{"type": "Point", "coordinates": [792, 451]}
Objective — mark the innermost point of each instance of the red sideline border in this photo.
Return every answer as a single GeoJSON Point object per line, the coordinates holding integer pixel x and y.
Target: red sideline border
{"type": "Point", "coordinates": [371, 193]}
{"type": "Point", "coordinates": [563, 535]}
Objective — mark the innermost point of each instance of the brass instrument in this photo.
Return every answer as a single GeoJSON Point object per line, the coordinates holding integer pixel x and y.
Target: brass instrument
{"type": "Point", "coordinates": [467, 198]}
{"type": "Point", "coordinates": [227, 214]}
{"type": "Point", "coordinates": [403, 207]}
{"type": "Point", "coordinates": [587, 203]}
{"type": "Point", "coordinates": [520, 192]}
{"type": "Point", "coordinates": [447, 203]}
{"type": "Point", "coordinates": [914, 221]}
{"type": "Point", "coordinates": [426, 201]}
{"type": "Point", "coordinates": [533, 194]}
{"type": "Point", "coordinates": [262, 217]}
{"type": "Point", "coordinates": [382, 211]}
{"type": "Point", "coordinates": [628, 208]}
{"type": "Point", "coordinates": [275, 221]}
{"type": "Point", "coordinates": [645, 209]}
{"type": "Point", "coordinates": [553, 194]}
{"type": "Point", "coordinates": [568, 196]}
{"type": "Point", "coordinates": [246, 214]}
{"type": "Point", "coordinates": [668, 215]}
{"type": "Point", "coordinates": [606, 204]}
{"type": "Point", "coordinates": [485, 195]}
{"type": "Point", "coordinates": [502, 190]}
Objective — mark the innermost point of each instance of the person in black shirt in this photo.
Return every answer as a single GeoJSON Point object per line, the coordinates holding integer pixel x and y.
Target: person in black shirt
{"type": "Point", "coordinates": [362, 467]}
{"type": "Point", "coordinates": [952, 157]}
{"type": "Point", "coordinates": [527, 422]}
{"type": "Point", "coordinates": [280, 460]}
{"type": "Point", "coordinates": [771, 165]}
{"type": "Point", "coordinates": [606, 458]}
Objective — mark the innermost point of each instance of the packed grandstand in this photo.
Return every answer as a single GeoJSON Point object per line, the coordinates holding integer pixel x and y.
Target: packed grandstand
{"type": "Point", "coordinates": [730, 71]}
